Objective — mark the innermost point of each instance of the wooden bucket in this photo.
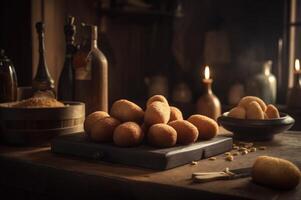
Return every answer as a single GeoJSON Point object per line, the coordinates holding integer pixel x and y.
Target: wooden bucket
{"type": "Point", "coordinates": [37, 126]}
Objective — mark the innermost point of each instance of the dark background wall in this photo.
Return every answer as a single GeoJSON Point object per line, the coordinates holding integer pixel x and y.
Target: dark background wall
{"type": "Point", "coordinates": [144, 43]}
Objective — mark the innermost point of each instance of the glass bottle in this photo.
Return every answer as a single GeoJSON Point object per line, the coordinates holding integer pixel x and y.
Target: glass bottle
{"type": "Point", "coordinates": [263, 85]}
{"type": "Point", "coordinates": [8, 79]}
{"type": "Point", "coordinates": [66, 86]}
{"type": "Point", "coordinates": [43, 82]}
{"type": "Point", "coordinates": [91, 74]}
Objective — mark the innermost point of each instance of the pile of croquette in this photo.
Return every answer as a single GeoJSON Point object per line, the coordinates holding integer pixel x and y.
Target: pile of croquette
{"type": "Point", "coordinates": [160, 125]}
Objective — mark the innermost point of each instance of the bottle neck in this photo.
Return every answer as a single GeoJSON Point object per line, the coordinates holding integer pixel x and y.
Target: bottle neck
{"type": "Point", "coordinates": [208, 86]}
{"type": "Point", "coordinates": [94, 44]}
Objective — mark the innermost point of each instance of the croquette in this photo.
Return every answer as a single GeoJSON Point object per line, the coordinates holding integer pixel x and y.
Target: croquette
{"type": "Point", "coordinates": [157, 112]}
{"type": "Point", "coordinates": [175, 114]}
{"type": "Point", "coordinates": [128, 134]}
{"type": "Point", "coordinates": [272, 112]}
{"type": "Point", "coordinates": [92, 118]}
{"type": "Point", "coordinates": [245, 101]}
{"type": "Point", "coordinates": [162, 135]}
{"type": "Point", "coordinates": [187, 133]}
{"type": "Point", "coordinates": [237, 112]}
{"type": "Point", "coordinates": [102, 130]}
{"type": "Point", "coordinates": [254, 111]}
{"type": "Point", "coordinates": [125, 110]}
{"type": "Point", "coordinates": [154, 98]}
{"type": "Point", "coordinates": [206, 126]}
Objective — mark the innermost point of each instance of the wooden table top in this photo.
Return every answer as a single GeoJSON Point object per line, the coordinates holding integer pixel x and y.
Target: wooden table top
{"type": "Point", "coordinates": [36, 168]}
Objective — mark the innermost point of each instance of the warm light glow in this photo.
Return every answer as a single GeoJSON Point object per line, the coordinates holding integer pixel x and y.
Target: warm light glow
{"type": "Point", "coordinates": [297, 65]}
{"type": "Point", "coordinates": [207, 72]}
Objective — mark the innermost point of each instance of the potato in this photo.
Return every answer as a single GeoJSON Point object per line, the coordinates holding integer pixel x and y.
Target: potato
{"type": "Point", "coordinates": [206, 126]}
{"type": "Point", "coordinates": [187, 133]}
{"type": "Point", "coordinates": [175, 114]}
{"type": "Point", "coordinates": [254, 111]}
{"type": "Point", "coordinates": [157, 112]}
{"type": "Point", "coordinates": [162, 135]}
{"type": "Point", "coordinates": [272, 112]}
{"type": "Point", "coordinates": [245, 101]}
{"type": "Point", "coordinates": [102, 130]}
{"type": "Point", "coordinates": [275, 172]}
{"type": "Point", "coordinates": [128, 134]}
{"type": "Point", "coordinates": [125, 110]}
{"type": "Point", "coordinates": [237, 112]}
{"type": "Point", "coordinates": [154, 98]}
{"type": "Point", "coordinates": [92, 118]}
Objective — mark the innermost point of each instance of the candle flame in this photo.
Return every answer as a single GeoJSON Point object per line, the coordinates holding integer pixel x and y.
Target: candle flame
{"type": "Point", "coordinates": [297, 65]}
{"type": "Point", "coordinates": [207, 72]}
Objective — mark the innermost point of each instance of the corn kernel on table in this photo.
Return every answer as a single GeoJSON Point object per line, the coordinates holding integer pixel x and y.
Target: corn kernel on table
{"type": "Point", "coordinates": [36, 173]}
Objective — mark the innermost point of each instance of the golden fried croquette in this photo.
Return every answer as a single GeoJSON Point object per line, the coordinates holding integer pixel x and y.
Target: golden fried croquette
{"type": "Point", "coordinates": [128, 134]}
{"type": "Point", "coordinates": [245, 101]}
{"type": "Point", "coordinates": [162, 135]}
{"type": "Point", "coordinates": [237, 112]}
{"type": "Point", "coordinates": [275, 172]}
{"type": "Point", "coordinates": [92, 118]}
{"type": "Point", "coordinates": [187, 133]}
{"type": "Point", "coordinates": [157, 112]}
{"type": "Point", "coordinates": [254, 111]}
{"type": "Point", "coordinates": [272, 112]}
{"type": "Point", "coordinates": [154, 98]}
{"type": "Point", "coordinates": [206, 126]}
{"type": "Point", "coordinates": [102, 130]}
{"type": "Point", "coordinates": [125, 110]}
{"type": "Point", "coordinates": [175, 114]}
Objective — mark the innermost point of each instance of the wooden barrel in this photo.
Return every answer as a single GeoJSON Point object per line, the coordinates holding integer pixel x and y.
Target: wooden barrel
{"type": "Point", "coordinates": [37, 126]}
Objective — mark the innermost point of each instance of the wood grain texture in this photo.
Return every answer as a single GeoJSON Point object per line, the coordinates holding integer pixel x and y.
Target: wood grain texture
{"type": "Point", "coordinates": [37, 169]}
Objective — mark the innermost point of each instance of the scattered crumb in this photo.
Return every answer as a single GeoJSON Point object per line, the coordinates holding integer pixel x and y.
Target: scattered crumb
{"type": "Point", "coordinates": [245, 152]}
{"type": "Point", "coordinates": [227, 153]}
{"type": "Point", "coordinates": [236, 148]}
{"type": "Point", "coordinates": [229, 158]}
{"type": "Point", "coordinates": [262, 148]}
{"type": "Point", "coordinates": [253, 149]}
{"type": "Point", "coordinates": [243, 149]}
{"type": "Point", "coordinates": [212, 158]}
{"type": "Point", "coordinates": [194, 163]}
{"type": "Point", "coordinates": [235, 154]}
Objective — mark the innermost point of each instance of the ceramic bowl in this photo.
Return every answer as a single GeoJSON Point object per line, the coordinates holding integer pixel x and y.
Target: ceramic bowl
{"type": "Point", "coordinates": [256, 130]}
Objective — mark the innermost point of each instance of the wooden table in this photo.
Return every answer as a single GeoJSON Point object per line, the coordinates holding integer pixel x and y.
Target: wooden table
{"type": "Point", "coordinates": [36, 173]}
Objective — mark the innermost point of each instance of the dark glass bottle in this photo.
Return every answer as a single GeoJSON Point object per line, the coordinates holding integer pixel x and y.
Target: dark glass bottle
{"type": "Point", "coordinates": [91, 79]}
{"type": "Point", "coordinates": [43, 81]}
{"type": "Point", "coordinates": [8, 79]}
{"type": "Point", "coordinates": [66, 87]}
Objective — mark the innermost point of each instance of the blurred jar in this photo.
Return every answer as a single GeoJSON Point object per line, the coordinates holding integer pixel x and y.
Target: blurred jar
{"type": "Point", "coordinates": [181, 93]}
{"type": "Point", "coordinates": [263, 85]}
{"type": "Point", "coordinates": [157, 84]}
{"type": "Point", "coordinates": [8, 79]}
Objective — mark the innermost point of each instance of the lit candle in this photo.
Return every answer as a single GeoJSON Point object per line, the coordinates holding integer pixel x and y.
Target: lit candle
{"type": "Point", "coordinates": [207, 78]}
{"type": "Point", "coordinates": [297, 66]}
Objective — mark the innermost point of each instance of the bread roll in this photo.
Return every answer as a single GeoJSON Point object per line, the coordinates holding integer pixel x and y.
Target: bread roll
{"type": "Point", "coordinates": [92, 118]}
{"type": "Point", "coordinates": [253, 111]}
{"type": "Point", "coordinates": [272, 112]}
{"type": "Point", "coordinates": [125, 110]}
{"type": "Point", "coordinates": [157, 112]}
{"type": "Point", "coordinates": [187, 133]}
{"type": "Point", "coordinates": [162, 135]}
{"type": "Point", "coordinates": [102, 130]}
{"type": "Point", "coordinates": [245, 101]}
{"type": "Point", "coordinates": [154, 98]}
{"type": "Point", "coordinates": [237, 112]}
{"type": "Point", "coordinates": [275, 172]}
{"type": "Point", "coordinates": [128, 134]}
{"type": "Point", "coordinates": [175, 114]}
{"type": "Point", "coordinates": [206, 126]}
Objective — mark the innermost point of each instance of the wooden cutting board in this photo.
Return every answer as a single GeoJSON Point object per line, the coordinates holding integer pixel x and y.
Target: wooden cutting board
{"type": "Point", "coordinates": [143, 155]}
